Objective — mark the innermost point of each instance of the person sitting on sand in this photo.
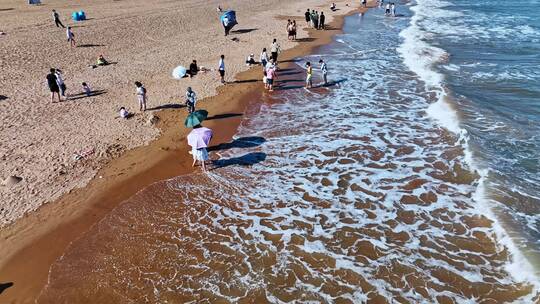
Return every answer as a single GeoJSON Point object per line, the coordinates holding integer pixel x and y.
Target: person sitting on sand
{"type": "Point", "coordinates": [333, 7]}
{"type": "Point", "coordinates": [102, 61]}
{"type": "Point", "coordinates": [86, 89]}
{"type": "Point", "coordinates": [124, 113]}
{"type": "Point", "coordinates": [193, 69]}
{"type": "Point", "coordinates": [191, 100]}
{"type": "Point", "coordinates": [141, 96]}
{"type": "Point", "coordinates": [250, 60]}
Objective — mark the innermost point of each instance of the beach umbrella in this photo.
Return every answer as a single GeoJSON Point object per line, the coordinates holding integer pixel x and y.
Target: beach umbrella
{"type": "Point", "coordinates": [179, 72]}
{"type": "Point", "coordinates": [195, 118]}
{"type": "Point", "coordinates": [199, 137]}
{"type": "Point", "coordinates": [228, 19]}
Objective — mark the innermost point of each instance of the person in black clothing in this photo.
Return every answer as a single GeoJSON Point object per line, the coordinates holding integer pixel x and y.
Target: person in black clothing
{"type": "Point", "coordinates": [57, 19]}
{"type": "Point", "coordinates": [53, 85]}
{"type": "Point", "coordinates": [193, 69]}
{"type": "Point", "coordinates": [308, 17]}
{"type": "Point", "coordinates": [321, 21]}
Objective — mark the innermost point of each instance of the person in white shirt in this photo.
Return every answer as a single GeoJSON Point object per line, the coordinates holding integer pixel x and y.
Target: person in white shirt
{"type": "Point", "coordinates": [387, 10]}
{"type": "Point", "coordinates": [264, 58]}
{"type": "Point", "coordinates": [393, 9]}
{"type": "Point", "coordinates": [221, 68]}
{"type": "Point", "coordinates": [324, 71]}
{"type": "Point", "coordinates": [70, 36]}
{"type": "Point", "coordinates": [191, 100]}
{"type": "Point", "coordinates": [60, 82]}
{"type": "Point", "coordinates": [141, 96]}
{"type": "Point", "coordinates": [250, 60]}
{"type": "Point", "coordinates": [274, 50]}
{"type": "Point", "coordinates": [124, 113]}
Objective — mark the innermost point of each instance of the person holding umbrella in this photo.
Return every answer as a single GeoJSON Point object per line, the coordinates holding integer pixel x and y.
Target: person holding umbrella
{"type": "Point", "coordinates": [199, 138]}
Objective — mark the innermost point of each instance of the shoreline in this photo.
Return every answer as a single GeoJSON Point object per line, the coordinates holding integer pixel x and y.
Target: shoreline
{"type": "Point", "coordinates": [31, 252]}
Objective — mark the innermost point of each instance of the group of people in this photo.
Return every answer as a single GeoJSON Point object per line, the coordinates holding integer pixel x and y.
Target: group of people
{"type": "Point", "coordinates": [309, 73]}
{"type": "Point", "coordinates": [390, 9]}
{"type": "Point", "coordinates": [291, 29]}
{"type": "Point", "coordinates": [314, 19]}
{"type": "Point", "coordinates": [57, 86]}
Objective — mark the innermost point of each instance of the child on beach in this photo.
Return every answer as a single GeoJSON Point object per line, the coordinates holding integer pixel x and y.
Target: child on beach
{"type": "Point", "coordinates": [221, 68]}
{"type": "Point", "coordinates": [191, 100]}
{"type": "Point", "coordinates": [124, 113]}
{"type": "Point", "coordinates": [141, 96]}
{"type": "Point", "coordinates": [270, 76]}
{"type": "Point", "coordinates": [309, 75]}
{"type": "Point", "coordinates": [70, 36]}
{"type": "Point", "coordinates": [324, 71]}
{"type": "Point", "coordinates": [86, 89]}
{"type": "Point", "coordinates": [193, 69]}
{"type": "Point", "coordinates": [265, 79]}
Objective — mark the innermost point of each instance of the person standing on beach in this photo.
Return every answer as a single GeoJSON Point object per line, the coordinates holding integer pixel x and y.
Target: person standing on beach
{"type": "Point", "coordinates": [221, 68]}
{"type": "Point", "coordinates": [274, 50]}
{"type": "Point", "coordinates": [60, 82]}
{"type": "Point", "coordinates": [308, 17]}
{"type": "Point", "coordinates": [393, 9]}
{"type": "Point", "coordinates": [316, 20]}
{"type": "Point", "coordinates": [141, 96]}
{"type": "Point", "coordinates": [57, 19]}
{"type": "Point", "coordinates": [191, 100]}
{"type": "Point", "coordinates": [309, 75]}
{"type": "Point", "coordinates": [53, 85]}
{"type": "Point", "coordinates": [364, 3]}
{"type": "Point", "coordinates": [294, 29]}
{"type": "Point", "coordinates": [270, 77]}
{"type": "Point", "coordinates": [70, 36]}
{"type": "Point", "coordinates": [263, 58]}
{"type": "Point", "coordinates": [321, 21]}
{"type": "Point", "coordinates": [324, 71]}
{"type": "Point", "coordinates": [387, 10]}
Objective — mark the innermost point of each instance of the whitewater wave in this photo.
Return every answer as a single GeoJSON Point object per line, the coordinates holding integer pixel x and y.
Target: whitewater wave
{"type": "Point", "coordinates": [422, 58]}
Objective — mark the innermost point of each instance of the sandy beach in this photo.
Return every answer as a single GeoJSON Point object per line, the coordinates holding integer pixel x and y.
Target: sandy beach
{"type": "Point", "coordinates": [145, 41]}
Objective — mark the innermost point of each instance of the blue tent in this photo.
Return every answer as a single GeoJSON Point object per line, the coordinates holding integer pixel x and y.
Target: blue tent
{"type": "Point", "coordinates": [78, 16]}
{"type": "Point", "coordinates": [228, 19]}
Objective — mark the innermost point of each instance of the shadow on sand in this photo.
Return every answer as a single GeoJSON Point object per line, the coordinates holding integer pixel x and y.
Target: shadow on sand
{"type": "Point", "coordinates": [242, 142]}
{"type": "Point", "coordinates": [222, 116]}
{"type": "Point", "coordinates": [83, 95]}
{"type": "Point", "coordinates": [167, 106]}
{"type": "Point", "coordinates": [243, 31]}
{"type": "Point", "coordinates": [244, 160]}
{"type": "Point", "coordinates": [4, 286]}
{"type": "Point", "coordinates": [88, 45]}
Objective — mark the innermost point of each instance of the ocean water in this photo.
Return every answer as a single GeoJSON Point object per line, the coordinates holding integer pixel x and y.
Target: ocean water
{"type": "Point", "coordinates": [410, 179]}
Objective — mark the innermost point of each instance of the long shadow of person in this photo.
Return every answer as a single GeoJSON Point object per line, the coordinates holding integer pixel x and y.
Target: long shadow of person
{"type": "Point", "coordinates": [4, 286]}
{"type": "Point", "coordinates": [248, 159]}
{"type": "Point", "coordinates": [242, 142]}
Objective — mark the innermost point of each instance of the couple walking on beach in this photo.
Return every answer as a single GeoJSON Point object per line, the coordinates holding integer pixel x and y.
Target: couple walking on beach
{"type": "Point", "coordinates": [309, 73]}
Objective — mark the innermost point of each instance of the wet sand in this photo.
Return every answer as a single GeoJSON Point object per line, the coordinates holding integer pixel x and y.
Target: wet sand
{"type": "Point", "coordinates": [33, 243]}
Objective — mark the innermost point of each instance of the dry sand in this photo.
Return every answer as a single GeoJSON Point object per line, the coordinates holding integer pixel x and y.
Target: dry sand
{"type": "Point", "coordinates": [147, 39]}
